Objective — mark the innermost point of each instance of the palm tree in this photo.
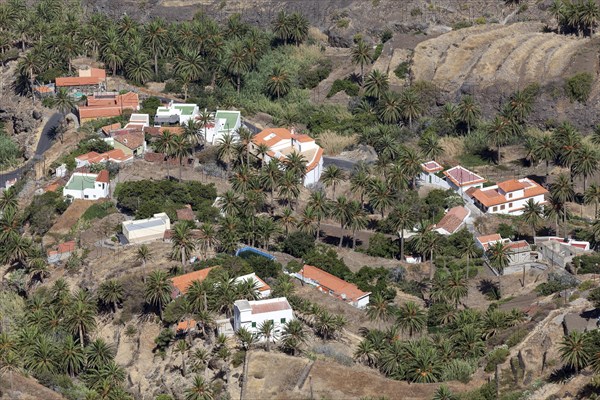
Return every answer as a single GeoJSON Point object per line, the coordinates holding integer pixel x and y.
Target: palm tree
{"type": "Point", "coordinates": [111, 292]}
{"type": "Point", "coordinates": [545, 150]}
{"type": "Point", "coordinates": [226, 148]}
{"type": "Point", "coordinates": [361, 55]}
{"type": "Point", "coordinates": [499, 256]}
{"type": "Point", "coordinates": [575, 350]}
{"type": "Point", "coordinates": [209, 238]}
{"type": "Point", "coordinates": [332, 176]}
{"type": "Point", "coordinates": [183, 243]}
{"type": "Point", "coordinates": [182, 348]}
{"type": "Point", "coordinates": [589, 13]}
{"type": "Point", "coordinates": [267, 330]}
{"type": "Point", "coordinates": [296, 163]}
{"type": "Point", "coordinates": [562, 190]}
{"type": "Point", "coordinates": [410, 105]}
{"type": "Point", "coordinates": [470, 250]}
{"type": "Point", "coordinates": [359, 181]}
{"type": "Point", "coordinates": [42, 358]}
{"type": "Point", "coordinates": [456, 287]}
{"type": "Point", "coordinates": [158, 290]}
{"type": "Point", "coordinates": [278, 82]}
{"type": "Point", "coordinates": [289, 187]}
{"type": "Point", "coordinates": [137, 68]}
{"type": "Point", "coordinates": [340, 211]}
{"type": "Point", "coordinates": [8, 200]}
{"type": "Point", "coordinates": [298, 28]}
{"type": "Point", "coordinates": [287, 220]}
{"type": "Point", "coordinates": [321, 208]}
{"type": "Point", "coordinates": [410, 317]}
{"type": "Point", "coordinates": [156, 35]}
{"type": "Point", "coordinates": [533, 215]}
{"type": "Point", "coordinates": [63, 101]}
{"type": "Point", "coordinates": [557, 9]}
{"type": "Point", "coordinates": [98, 353]}
{"type": "Point", "coordinates": [430, 146]}
{"type": "Point", "coordinates": [269, 177]}
{"type": "Point", "coordinates": [498, 132]}
{"type": "Point", "coordinates": [400, 218]}
{"type": "Point", "coordinates": [180, 148]}
{"type": "Point", "coordinates": [281, 26]}
{"type": "Point", "coordinates": [188, 65]}
{"type": "Point", "coordinates": [376, 84]}
{"type": "Point", "coordinates": [237, 62]}
{"type": "Point", "coordinates": [72, 356]}
{"type": "Point", "coordinates": [80, 319]}
{"type": "Point", "coordinates": [200, 390]}
{"type": "Point", "coordinates": [379, 309]}
{"type": "Point", "coordinates": [389, 108]}
{"type": "Point", "coordinates": [411, 161]}
{"type": "Point", "coordinates": [468, 112]}
{"type": "Point", "coordinates": [444, 393]}
{"type": "Point", "coordinates": [357, 219]}
{"type": "Point", "coordinates": [205, 120]}
{"type": "Point", "coordinates": [246, 338]}
{"type": "Point", "coordinates": [143, 255]}
{"type": "Point", "coordinates": [164, 144]}
{"type": "Point", "coordinates": [380, 196]}
{"type": "Point", "coordinates": [592, 195]}
{"type": "Point", "coordinates": [307, 222]}
{"type": "Point", "coordinates": [586, 163]}
{"type": "Point", "coordinates": [245, 136]}
{"type": "Point", "coordinates": [293, 336]}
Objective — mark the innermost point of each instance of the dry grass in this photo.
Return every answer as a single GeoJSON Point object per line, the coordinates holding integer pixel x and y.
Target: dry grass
{"type": "Point", "coordinates": [334, 143]}
{"type": "Point", "coordinates": [317, 35]}
{"type": "Point", "coordinates": [453, 148]}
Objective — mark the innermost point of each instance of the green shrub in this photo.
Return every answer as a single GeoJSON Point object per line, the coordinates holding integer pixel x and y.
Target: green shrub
{"type": "Point", "coordinates": [9, 151]}
{"type": "Point", "coordinates": [415, 12]}
{"type": "Point", "coordinates": [586, 285]}
{"type": "Point", "coordinates": [238, 358]}
{"type": "Point", "coordinates": [309, 78]}
{"type": "Point", "coordinates": [495, 357]}
{"type": "Point", "coordinates": [347, 86]}
{"type": "Point", "coordinates": [480, 21]}
{"type": "Point", "coordinates": [342, 23]}
{"type": "Point", "coordinates": [588, 264]}
{"type": "Point", "coordinates": [402, 70]}
{"type": "Point", "coordinates": [327, 259]}
{"type": "Point", "coordinates": [516, 337]}
{"type": "Point", "coordinates": [98, 211]}
{"type": "Point", "coordinates": [386, 35]}
{"type": "Point", "coordinates": [579, 86]}
{"type": "Point", "coordinates": [377, 52]}
{"type": "Point", "coordinates": [381, 246]}
{"type": "Point", "coordinates": [297, 244]}
{"type": "Point", "coordinates": [461, 25]}
{"type": "Point", "coordinates": [594, 297]}
{"type": "Point", "coordinates": [555, 284]}
{"type": "Point", "coordinates": [458, 370]}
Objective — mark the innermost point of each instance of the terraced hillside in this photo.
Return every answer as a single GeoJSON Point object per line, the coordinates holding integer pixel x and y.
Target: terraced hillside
{"type": "Point", "coordinates": [501, 55]}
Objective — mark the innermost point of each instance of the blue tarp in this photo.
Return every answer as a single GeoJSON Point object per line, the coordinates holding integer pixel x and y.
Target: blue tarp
{"type": "Point", "coordinates": [254, 251]}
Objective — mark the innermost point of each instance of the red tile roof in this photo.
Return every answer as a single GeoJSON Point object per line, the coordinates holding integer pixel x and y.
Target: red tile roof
{"type": "Point", "coordinates": [511, 185]}
{"type": "Point", "coordinates": [103, 176]}
{"type": "Point", "coordinates": [494, 237]}
{"type": "Point", "coordinates": [130, 139]}
{"type": "Point", "coordinates": [99, 112]}
{"type": "Point", "coordinates": [186, 324]}
{"type": "Point", "coordinates": [491, 197]}
{"type": "Point", "coordinates": [77, 81]}
{"type": "Point", "coordinates": [330, 282]}
{"type": "Point", "coordinates": [279, 134]}
{"type": "Point", "coordinates": [186, 213]}
{"type": "Point", "coordinates": [109, 128]}
{"type": "Point", "coordinates": [182, 282]}
{"type": "Point", "coordinates": [315, 161]}
{"type": "Point", "coordinates": [453, 219]}
{"type": "Point", "coordinates": [302, 138]}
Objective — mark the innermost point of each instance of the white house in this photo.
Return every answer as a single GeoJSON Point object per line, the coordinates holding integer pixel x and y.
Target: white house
{"type": "Point", "coordinates": [429, 174]}
{"type": "Point", "coordinates": [88, 186]}
{"type": "Point", "coordinates": [508, 197]}
{"type": "Point", "coordinates": [138, 121]}
{"type": "Point", "coordinates": [264, 290]}
{"type": "Point", "coordinates": [281, 143]}
{"type": "Point", "coordinates": [520, 254]}
{"type": "Point", "coordinates": [251, 314]}
{"type": "Point", "coordinates": [146, 230]}
{"type": "Point", "coordinates": [176, 113]}
{"type": "Point", "coordinates": [453, 220]}
{"type": "Point", "coordinates": [461, 179]}
{"type": "Point", "coordinates": [334, 286]}
{"type": "Point", "coordinates": [224, 122]}
{"type": "Point", "coordinates": [116, 155]}
{"type": "Point", "coordinates": [560, 251]}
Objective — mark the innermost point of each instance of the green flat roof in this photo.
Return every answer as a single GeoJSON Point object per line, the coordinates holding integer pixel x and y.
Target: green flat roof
{"type": "Point", "coordinates": [81, 182]}
{"type": "Point", "coordinates": [186, 110]}
{"type": "Point", "coordinates": [230, 117]}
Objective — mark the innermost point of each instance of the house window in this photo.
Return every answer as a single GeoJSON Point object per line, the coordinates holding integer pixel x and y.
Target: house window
{"type": "Point", "coordinates": [509, 205]}
{"type": "Point", "coordinates": [86, 196]}
{"type": "Point", "coordinates": [510, 195]}
{"type": "Point", "coordinates": [502, 207]}
{"type": "Point", "coordinates": [494, 208]}
{"type": "Point", "coordinates": [254, 324]}
{"type": "Point", "coordinates": [282, 320]}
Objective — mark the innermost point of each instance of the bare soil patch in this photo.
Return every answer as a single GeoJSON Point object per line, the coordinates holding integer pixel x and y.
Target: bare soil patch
{"type": "Point", "coordinates": [71, 216]}
{"type": "Point", "coordinates": [19, 387]}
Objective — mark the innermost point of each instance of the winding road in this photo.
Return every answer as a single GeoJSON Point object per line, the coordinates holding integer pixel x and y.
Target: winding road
{"type": "Point", "coordinates": [44, 144]}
